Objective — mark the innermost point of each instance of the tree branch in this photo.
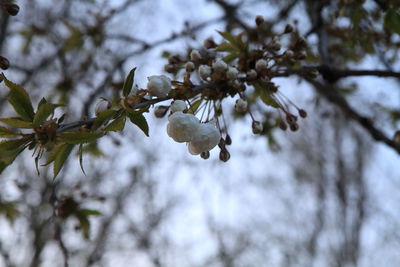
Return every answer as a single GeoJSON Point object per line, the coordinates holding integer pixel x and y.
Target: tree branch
{"type": "Point", "coordinates": [331, 94]}
{"type": "Point", "coordinates": [76, 124]}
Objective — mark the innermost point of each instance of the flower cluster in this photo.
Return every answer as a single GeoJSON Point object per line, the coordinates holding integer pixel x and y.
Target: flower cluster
{"type": "Point", "coordinates": [185, 127]}
{"type": "Point", "coordinates": [240, 66]}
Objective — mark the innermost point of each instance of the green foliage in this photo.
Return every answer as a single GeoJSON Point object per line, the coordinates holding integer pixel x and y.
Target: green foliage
{"type": "Point", "coordinates": [116, 125]}
{"type": "Point", "coordinates": [20, 100]}
{"type": "Point", "coordinates": [44, 110]}
{"type": "Point", "coordinates": [6, 132]}
{"type": "Point", "coordinates": [128, 84]}
{"type": "Point", "coordinates": [392, 20]}
{"type": "Point", "coordinates": [60, 157]}
{"type": "Point", "coordinates": [10, 149]}
{"type": "Point", "coordinates": [17, 123]}
{"type": "Point", "coordinates": [79, 137]}
{"type": "Point", "coordinates": [137, 118]}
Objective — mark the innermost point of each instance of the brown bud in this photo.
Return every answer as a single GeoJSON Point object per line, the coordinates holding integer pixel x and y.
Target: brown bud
{"type": "Point", "coordinates": [396, 137]}
{"type": "Point", "coordinates": [294, 127]}
{"type": "Point", "coordinates": [224, 155]}
{"type": "Point", "coordinates": [302, 113]}
{"type": "Point", "coordinates": [205, 155]}
{"type": "Point", "coordinates": [173, 60]}
{"type": "Point", "coordinates": [257, 127]}
{"type": "Point", "coordinates": [290, 118]}
{"type": "Point", "coordinates": [259, 20]}
{"type": "Point", "coordinates": [160, 111]}
{"type": "Point", "coordinates": [228, 140]}
{"type": "Point", "coordinates": [282, 125]}
{"type": "Point", "coordinates": [209, 43]}
{"type": "Point", "coordinates": [4, 63]}
{"type": "Point", "coordinates": [221, 143]}
{"type": "Point", "coordinates": [170, 68]}
{"type": "Point", "coordinates": [11, 8]}
{"type": "Point", "coordinates": [302, 55]}
{"type": "Point", "coordinates": [288, 28]}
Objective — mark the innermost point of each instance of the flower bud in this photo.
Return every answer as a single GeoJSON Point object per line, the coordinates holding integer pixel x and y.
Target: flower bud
{"type": "Point", "coordinates": [301, 55]}
{"type": "Point", "coordinates": [224, 155]}
{"type": "Point", "coordinates": [288, 28]}
{"type": "Point", "coordinates": [178, 105]}
{"type": "Point", "coordinates": [101, 106]}
{"type": "Point", "coordinates": [170, 68]}
{"type": "Point", "coordinates": [205, 154]}
{"type": "Point", "coordinates": [183, 127]}
{"type": "Point", "coordinates": [302, 113]}
{"type": "Point", "coordinates": [259, 20]}
{"type": "Point", "coordinates": [159, 86]}
{"type": "Point", "coordinates": [209, 43]}
{"type": "Point", "coordinates": [290, 118]}
{"type": "Point", "coordinates": [4, 63]}
{"type": "Point", "coordinates": [396, 137]}
{"type": "Point", "coordinates": [288, 53]}
{"type": "Point", "coordinates": [261, 65]}
{"type": "Point", "coordinates": [160, 111]}
{"type": "Point", "coordinates": [204, 71]}
{"type": "Point", "coordinates": [282, 125]}
{"type": "Point", "coordinates": [219, 66]}
{"type": "Point", "coordinates": [11, 8]}
{"type": "Point", "coordinates": [195, 55]}
{"type": "Point", "coordinates": [251, 74]}
{"type": "Point", "coordinates": [241, 105]}
{"type": "Point", "coordinates": [232, 73]}
{"type": "Point", "coordinates": [294, 127]}
{"type": "Point", "coordinates": [205, 139]}
{"type": "Point", "coordinates": [189, 66]}
{"type": "Point", "coordinates": [257, 127]}
{"type": "Point", "coordinates": [228, 140]}
{"type": "Point", "coordinates": [174, 60]}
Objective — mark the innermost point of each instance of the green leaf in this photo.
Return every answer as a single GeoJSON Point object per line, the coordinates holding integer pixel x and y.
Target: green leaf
{"type": "Point", "coordinates": [231, 57]}
{"type": "Point", "coordinates": [10, 149]}
{"type": "Point", "coordinates": [139, 120]}
{"type": "Point", "coordinates": [392, 20]}
{"type": "Point", "coordinates": [103, 117]}
{"type": "Point", "coordinates": [79, 137]}
{"type": "Point", "coordinates": [20, 100]}
{"type": "Point", "coordinates": [227, 47]}
{"type": "Point", "coordinates": [62, 155]}
{"type": "Point", "coordinates": [43, 113]}
{"type": "Point", "coordinates": [16, 122]}
{"type": "Point", "coordinates": [80, 153]}
{"type": "Point", "coordinates": [88, 212]}
{"type": "Point", "coordinates": [195, 106]}
{"type": "Point", "coordinates": [266, 95]}
{"type": "Point", "coordinates": [117, 125]}
{"type": "Point", "coordinates": [83, 223]}
{"type": "Point", "coordinates": [234, 40]}
{"type": "Point", "coordinates": [74, 40]}
{"type": "Point", "coordinates": [6, 132]}
{"type": "Point", "coordinates": [126, 89]}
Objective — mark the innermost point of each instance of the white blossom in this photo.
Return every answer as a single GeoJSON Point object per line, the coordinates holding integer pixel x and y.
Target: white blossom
{"type": "Point", "coordinates": [159, 85]}
{"type": "Point", "coordinates": [178, 105]}
{"type": "Point", "coordinates": [182, 127]}
{"type": "Point", "coordinates": [232, 73]}
{"type": "Point", "coordinates": [204, 71]}
{"type": "Point", "coordinates": [219, 65]}
{"type": "Point", "coordinates": [206, 138]}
